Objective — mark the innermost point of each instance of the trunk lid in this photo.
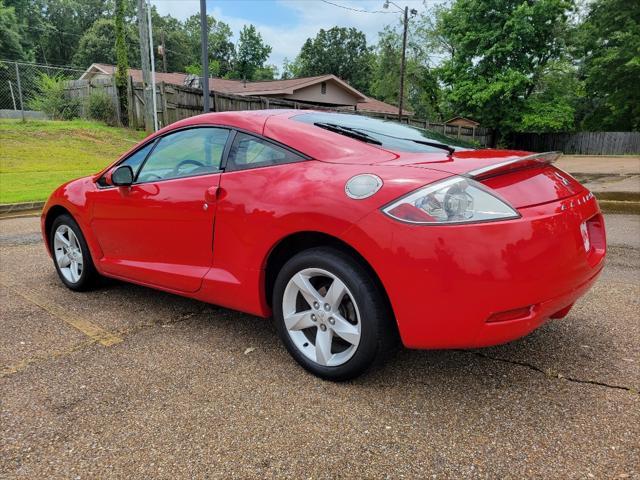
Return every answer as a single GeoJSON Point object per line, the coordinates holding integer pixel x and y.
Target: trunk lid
{"type": "Point", "coordinates": [522, 178]}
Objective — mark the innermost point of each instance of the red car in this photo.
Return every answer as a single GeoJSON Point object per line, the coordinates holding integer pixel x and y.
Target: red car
{"type": "Point", "coordinates": [348, 230]}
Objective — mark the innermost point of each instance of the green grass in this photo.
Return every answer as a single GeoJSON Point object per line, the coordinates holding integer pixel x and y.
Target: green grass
{"type": "Point", "coordinates": [37, 156]}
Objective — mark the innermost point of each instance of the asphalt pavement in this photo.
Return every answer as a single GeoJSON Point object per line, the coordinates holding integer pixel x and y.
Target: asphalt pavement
{"type": "Point", "coordinates": [128, 382]}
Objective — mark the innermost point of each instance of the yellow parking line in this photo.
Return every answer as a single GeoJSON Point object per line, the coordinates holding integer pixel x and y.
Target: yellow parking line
{"type": "Point", "coordinates": [93, 331]}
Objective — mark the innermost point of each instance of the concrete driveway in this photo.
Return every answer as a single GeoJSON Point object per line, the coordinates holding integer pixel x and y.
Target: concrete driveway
{"type": "Point", "coordinates": [127, 382]}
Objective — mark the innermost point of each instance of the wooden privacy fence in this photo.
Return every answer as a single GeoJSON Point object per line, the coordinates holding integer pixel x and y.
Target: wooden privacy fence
{"type": "Point", "coordinates": [176, 102]}
{"type": "Point", "coordinates": [582, 143]}
{"type": "Point", "coordinates": [83, 89]}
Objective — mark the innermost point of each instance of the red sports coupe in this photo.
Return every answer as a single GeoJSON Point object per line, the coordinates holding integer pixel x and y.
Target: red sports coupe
{"type": "Point", "coordinates": [349, 231]}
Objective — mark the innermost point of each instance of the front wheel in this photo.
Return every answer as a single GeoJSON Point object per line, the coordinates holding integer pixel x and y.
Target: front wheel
{"type": "Point", "coordinates": [330, 314]}
{"type": "Point", "coordinates": [71, 255]}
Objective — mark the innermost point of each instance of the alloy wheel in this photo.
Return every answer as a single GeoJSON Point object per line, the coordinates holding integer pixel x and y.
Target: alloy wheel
{"type": "Point", "coordinates": [321, 317]}
{"type": "Point", "coordinates": [68, 253]}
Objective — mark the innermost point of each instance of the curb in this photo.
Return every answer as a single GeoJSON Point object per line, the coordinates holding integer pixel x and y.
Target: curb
{"type": "Point", "coordinates": [619, 206]}
{"type": "Point", "coordinates": [9, 208]}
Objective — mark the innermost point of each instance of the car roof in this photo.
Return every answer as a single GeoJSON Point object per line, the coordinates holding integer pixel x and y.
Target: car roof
{"type": "Point", "coordinates": [277, 124]}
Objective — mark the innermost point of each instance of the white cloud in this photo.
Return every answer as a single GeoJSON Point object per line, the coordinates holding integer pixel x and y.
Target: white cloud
{"type": "Point", "coordinates": [180, 9]}
{"type": "Point", "coordinates": [311, 15]}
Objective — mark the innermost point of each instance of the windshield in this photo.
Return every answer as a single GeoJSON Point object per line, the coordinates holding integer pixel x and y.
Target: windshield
{"type": "Point", "coordinates": [391, 135]}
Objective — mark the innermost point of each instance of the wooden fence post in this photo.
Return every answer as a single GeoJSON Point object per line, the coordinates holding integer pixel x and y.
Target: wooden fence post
{"type": "Point", "coordinates": [163, 102]}
{"type": "Point", "coordinates": [131, 104]}
{"type": "Point", "coordinates": [116, 97]}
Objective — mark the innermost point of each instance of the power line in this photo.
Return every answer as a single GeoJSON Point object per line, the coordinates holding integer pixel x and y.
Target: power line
{"type": "Point", "coordinates": [47, 65]}
{"type": "Point", "coordinates": [354, 9]}
{"type": "Point", "coordinates": [50, 29]}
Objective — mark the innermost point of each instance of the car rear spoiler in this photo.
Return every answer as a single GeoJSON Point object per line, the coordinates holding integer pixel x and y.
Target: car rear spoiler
{"type": "Point", "coordinates": [535, 160]}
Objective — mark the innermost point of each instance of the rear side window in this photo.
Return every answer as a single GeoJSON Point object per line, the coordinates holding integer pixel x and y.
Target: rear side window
{"type": "Point", "coordinates": [248, 151]}
{"type": "Point", "coordinates": [197, 151]}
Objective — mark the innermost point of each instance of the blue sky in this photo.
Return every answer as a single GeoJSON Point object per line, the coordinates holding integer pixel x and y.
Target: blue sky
{"type": "Point", "coordinates": [286, 24]}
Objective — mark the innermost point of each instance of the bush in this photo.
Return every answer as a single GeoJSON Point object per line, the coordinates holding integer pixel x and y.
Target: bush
{"type": "Point", "coordinates": [52, 100]}
{"type": "Point", "coordinates": [100, 107]}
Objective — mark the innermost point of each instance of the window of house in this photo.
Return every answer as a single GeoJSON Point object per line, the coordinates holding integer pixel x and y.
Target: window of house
{"type": "Point", "coordinates": [323, 88]}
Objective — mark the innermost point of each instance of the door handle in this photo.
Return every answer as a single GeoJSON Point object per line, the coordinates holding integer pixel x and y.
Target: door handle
{"type": "Point", "coordinates": [211, 194]}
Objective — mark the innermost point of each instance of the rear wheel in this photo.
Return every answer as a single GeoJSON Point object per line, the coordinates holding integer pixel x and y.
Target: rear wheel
{"type": "Point", "coordinates": [71, 255]}
{"type": "Point", "coordinates": [330, 314]}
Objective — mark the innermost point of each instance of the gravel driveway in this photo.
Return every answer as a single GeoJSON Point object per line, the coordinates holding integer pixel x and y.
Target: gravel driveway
{"type": "Point", "coordinates": [127, 382]}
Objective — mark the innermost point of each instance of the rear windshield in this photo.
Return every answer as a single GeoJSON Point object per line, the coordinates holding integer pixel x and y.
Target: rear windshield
{"type": "Point", "coordinates": [393, 136]}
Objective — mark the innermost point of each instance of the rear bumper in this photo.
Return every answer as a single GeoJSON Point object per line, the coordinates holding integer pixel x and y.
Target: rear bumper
{"type": "Point", "coordinates": [468, 286]}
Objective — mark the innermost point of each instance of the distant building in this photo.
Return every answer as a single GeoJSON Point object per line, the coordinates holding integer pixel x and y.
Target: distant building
{"type": "Point", "coordinates": [462, 122]}
{"type": "Point", "coordinates": [322, 90]}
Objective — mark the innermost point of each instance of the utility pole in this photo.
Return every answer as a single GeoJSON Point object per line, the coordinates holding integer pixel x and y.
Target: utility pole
{"type": "Point", "coordinates": [153, 70]}
{"type": "Point", "coordinates": [402, 62]}
{"type": "Point", "coordinates": [405, 24]}
{"type": "Point", "coordinates": [164, 53]}
{"type": "Point", "coordinates": [146, 71]}
{"type": "Point", "coordinates": [204, 40]}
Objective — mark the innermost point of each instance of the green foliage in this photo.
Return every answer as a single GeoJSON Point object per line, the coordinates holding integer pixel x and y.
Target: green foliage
{"type": "Point", "coordinates": [251, 55]}
{"type": "Point", "coordinates": [220, 47]}
{"type": "Point", "coordinates": [341, 51]}
{"type": "Point", "coordinates": [290, 69]}
{"type": "Point", "coordinates": [51, 29]}
{"type": "Point", "coordinates": [196, 69]}
{"type": "Point", "coordinates": [385, 82]}
{"type": "Point", "coordinates": [97, 45]}
{"type": "Point", "coordinates": [100, 107]}
{"type": "Point", "coordinates": [499, 51]}
{"type": "Point", "coordinates": [422, 90]}
{"type": "Point", "coordinates": [122, 61]}
{"type": "Point", "coordinates": [553, 105]}
{"type": "Point", "coordinates": [52, 99]}
{"type": "Point", "coordinates": [10, 35]}
{"type": "Point", "coordinates": [608, 42]}
{"type": "Point", "coordinates": [268, 72]}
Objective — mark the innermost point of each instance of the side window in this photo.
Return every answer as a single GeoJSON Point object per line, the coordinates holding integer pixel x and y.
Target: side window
{"type": "Point", "coordinates": [248, 151]}
{"type": "Point", "coordinates": [197, 151]}
{"type": "Point", "coordinates": [134, 161]}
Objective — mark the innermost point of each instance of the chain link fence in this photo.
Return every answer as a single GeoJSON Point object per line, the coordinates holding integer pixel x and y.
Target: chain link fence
{"type": "Point", "coordinates": [21, 82]}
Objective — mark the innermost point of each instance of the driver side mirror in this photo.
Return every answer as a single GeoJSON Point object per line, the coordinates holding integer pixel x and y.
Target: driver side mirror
{"type": "Point", "coordinates": [122, 176]}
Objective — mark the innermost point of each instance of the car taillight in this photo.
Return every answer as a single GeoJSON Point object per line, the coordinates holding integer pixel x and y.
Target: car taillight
{"type": "Point", "coordinates": [450, 201]}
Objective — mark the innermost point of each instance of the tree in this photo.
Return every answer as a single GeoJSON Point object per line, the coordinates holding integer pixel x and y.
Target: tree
{"type": "Point", "coordinates": [608, 46]}
{"type": "Point", "coordinates": [499, 52]}
{"type": "Point", "coordinates": [64, 22]}
{"type": "Point", "coordinates": [220, 47]}
{"type": "Point", "coordinates": [339, 51]}
{"type": "Point", "coordinates": [122, 62]}
{"type": "Point", "coordinates": [11, 47]}
{"type": "Point", "coordinates": [554, 103]}
{"type": "Point", "coordinates": [422, 90]}
{"type": "Point", "coordinates": [252, 53]}
{"type": "Point", "coordinates": [97, 45]}
{"type": "Point", "coordinates": [179, 51]}
{"type": "Point", "coordinates": [290, 69]}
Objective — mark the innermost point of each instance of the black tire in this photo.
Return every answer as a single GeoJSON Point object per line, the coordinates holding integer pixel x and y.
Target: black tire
{"type": "Point", "coordinates": [89, 274]}
{"type": "Point", "coordinates": [378, 335]}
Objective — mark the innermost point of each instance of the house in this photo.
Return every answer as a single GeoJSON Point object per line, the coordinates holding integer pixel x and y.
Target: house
{"type": "Point", "coordinates": [321, 90]}
{"type": "Point", "coordinates": [462, 122]}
